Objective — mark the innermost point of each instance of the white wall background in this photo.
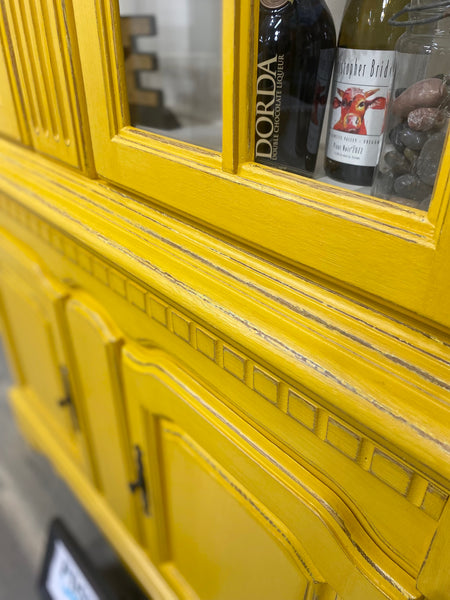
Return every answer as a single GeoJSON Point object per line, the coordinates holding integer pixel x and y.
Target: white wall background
{"type": "Point", "coordinates": [188, 45]}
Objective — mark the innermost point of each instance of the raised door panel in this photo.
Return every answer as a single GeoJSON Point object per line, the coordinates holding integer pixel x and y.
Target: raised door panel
{"type": "Point", "coordinates": [32, 304]}
{"type": "Point", "coordinates": [214, 525]}
{"type": "Point", "coordinates": [96, 344]}
{"type": "Point", "coordinates": [44, 59]}
{"type": "Point", "coordinates": [226, 514]}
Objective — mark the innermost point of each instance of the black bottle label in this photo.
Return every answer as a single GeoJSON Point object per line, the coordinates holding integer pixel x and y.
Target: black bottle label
{"type": "Point", "coordinates": [269, 84]}
{"type": "Point", "coordinates": [361, 88]}
{"type": "Point", "coordinates": [295, 51]}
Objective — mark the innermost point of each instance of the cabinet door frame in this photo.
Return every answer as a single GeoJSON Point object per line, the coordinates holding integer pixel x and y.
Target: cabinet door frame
{"type": "Point", "coordinates": [383, 249]}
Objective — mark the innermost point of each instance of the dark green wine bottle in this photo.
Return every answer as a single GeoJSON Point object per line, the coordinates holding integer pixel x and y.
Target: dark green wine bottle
{"type": "Point", "coordinates": [362, 82]}
{"type": "Point", "coordinates": [296, 50]}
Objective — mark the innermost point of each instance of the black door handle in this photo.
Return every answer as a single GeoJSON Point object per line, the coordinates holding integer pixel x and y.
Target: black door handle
{"type": "Point", "coordinates": [139, 483]}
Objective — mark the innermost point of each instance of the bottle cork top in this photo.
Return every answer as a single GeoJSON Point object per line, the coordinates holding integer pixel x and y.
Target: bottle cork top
{"type": "Point", "coordinates": [275, 3]}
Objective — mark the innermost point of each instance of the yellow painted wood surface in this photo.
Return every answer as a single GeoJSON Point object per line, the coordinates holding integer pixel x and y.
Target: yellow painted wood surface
{"type": "Point", "coordinates": [435, 582]}
{"type": "Point", "coordinates": [377, 247]}
{"type": "Point", "coordinates": [9, 121]}
{"type": "Point", "coordinates": [32, 307]}
{"type": "Point", "coordinates": [96, 347]}
{"type": "Point", "coordinates": [277, 349]}
{"type": "Point", "coordinates": [201, 453]}
{"type": "Point", "coordinates": [43, 60]}
{"type": "Point", "coordinates": [333, 384]}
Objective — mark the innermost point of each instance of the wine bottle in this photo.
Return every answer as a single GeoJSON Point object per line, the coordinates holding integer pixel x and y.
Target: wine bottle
{"type": "Point", "coordinates": [296, 50]}
{"type": "Point", "coordinates": [362, 81]}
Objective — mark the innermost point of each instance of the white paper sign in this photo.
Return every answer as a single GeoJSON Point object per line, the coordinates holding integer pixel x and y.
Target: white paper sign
{"type": "Point", "coordinates": [65, 580]}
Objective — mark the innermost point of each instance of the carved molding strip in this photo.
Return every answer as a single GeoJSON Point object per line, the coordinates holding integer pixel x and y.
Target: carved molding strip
{"type": "Point", "coordinates": [358, 448]}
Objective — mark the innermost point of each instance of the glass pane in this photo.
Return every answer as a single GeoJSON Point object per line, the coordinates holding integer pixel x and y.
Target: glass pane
{"type": "Point", "coordinates": [173, 65]}
{"type": "Point", "coordinates": [343, 96]}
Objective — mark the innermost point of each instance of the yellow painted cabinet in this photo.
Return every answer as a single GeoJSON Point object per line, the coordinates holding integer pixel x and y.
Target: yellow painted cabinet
{"type": "Point", "coordinates": [32, 303]}
{"type": "Point", "coordinates": [243, 373]}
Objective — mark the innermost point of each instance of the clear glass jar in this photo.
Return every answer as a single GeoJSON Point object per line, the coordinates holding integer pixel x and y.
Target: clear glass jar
{"type": "Point", "coordinates": [418, 114]}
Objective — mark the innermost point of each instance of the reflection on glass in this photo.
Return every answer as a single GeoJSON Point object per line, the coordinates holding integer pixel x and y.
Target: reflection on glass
{"type": "Point", "coordinates": [173, 56]}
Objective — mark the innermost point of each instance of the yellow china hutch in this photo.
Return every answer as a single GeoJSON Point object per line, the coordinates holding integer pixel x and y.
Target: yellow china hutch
{"type": "Point", "coordinates": [242, 373]}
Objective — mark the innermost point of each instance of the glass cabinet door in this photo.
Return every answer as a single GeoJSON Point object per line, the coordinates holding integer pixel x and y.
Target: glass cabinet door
{"type": "Point", "coordinates": [160, 130]}
{"type": "Point", "coordinates": [172, 58]}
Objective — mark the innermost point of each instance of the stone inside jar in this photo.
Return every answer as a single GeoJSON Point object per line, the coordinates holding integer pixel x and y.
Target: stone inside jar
{"type": "Point", "coordinates": [415, 139]}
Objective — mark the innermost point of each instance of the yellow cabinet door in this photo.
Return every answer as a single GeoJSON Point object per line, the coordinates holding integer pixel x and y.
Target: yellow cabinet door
{"type": "Point", "coordinates": [32, 305]}
{"type": "Point", "coordinates": [96, 347]}
{"type": "Point", "coordinates": [225, 513]}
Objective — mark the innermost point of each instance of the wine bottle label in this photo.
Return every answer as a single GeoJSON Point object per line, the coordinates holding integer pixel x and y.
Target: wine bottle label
{"type": "Point", "coordinates": [275, 3]}
{"type": "Point", "coordinates": [269, 84]}
{"type": "Point", "coordinates": [361, 88]}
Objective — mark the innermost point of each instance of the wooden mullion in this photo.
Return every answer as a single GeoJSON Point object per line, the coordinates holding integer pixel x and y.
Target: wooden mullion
{"type": "Point", "coordinates": [238, 52]}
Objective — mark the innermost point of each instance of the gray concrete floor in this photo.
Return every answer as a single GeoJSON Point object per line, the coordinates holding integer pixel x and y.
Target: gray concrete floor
{"type": "Point", "coordinates": [31, 495]}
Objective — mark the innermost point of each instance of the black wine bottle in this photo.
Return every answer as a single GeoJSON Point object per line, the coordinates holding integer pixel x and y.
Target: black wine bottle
{"type": "Point", "coordinates": [295, 59]}
{"type": "Point", "coordinates": [362, 82]}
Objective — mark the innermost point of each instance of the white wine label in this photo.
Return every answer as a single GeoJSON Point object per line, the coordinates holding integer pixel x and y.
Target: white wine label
{"type": "Point", "coordinates": [275, 3]}
{"type": "Point", "coordinates": [361, 89]}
